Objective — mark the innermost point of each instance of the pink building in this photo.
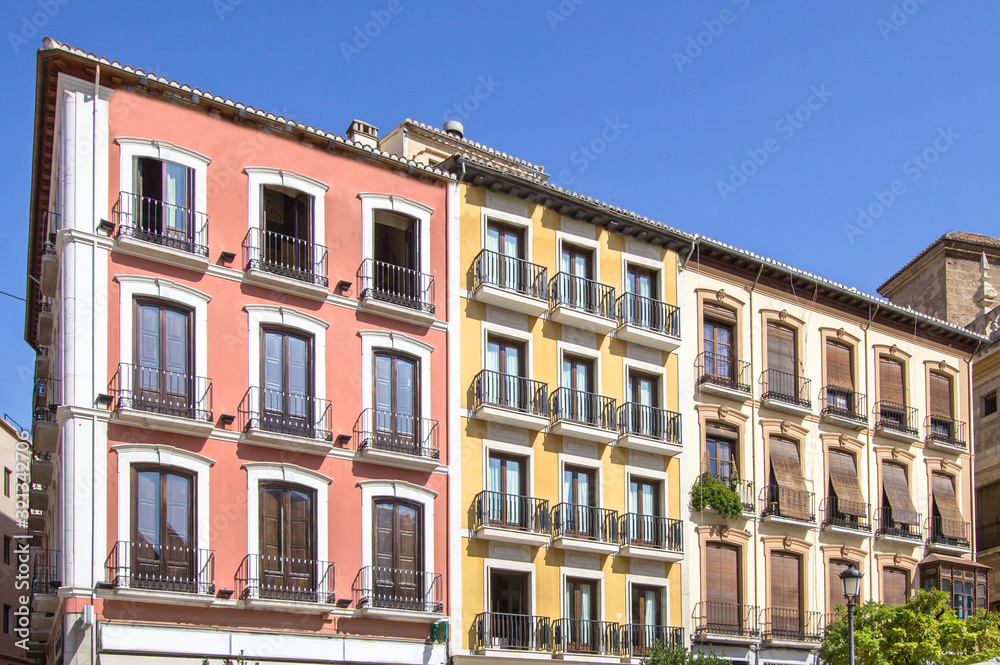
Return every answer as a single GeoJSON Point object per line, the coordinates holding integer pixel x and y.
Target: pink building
{"type": "Point", "coordinates": [242, 422]}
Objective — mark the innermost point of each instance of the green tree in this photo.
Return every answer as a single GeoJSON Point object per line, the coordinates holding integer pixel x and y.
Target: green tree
{"type": "Point", "coordinates": [923, 631]}
{"type": "Point", "coordinates": [675, 654]}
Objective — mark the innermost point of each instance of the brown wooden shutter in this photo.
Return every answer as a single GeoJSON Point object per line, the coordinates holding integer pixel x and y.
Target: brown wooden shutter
{"type": "Point", "coordinates": [300, 540]}
{"type": "Point", "coordinates": [713, 311]}
{"type": "Point", "coordinates": [384, 527]}
{"type": "Point", "coordinates": [897, 490]}
{"type": "Point", "coordinates": [836, 585]}
{"type": "Point", "coordinates": [844, 478]}
{"type": "Point", "coordinates": [780, 348]}
{"type": "Point", "coordinates": [952, 521]}
{"type": "Point", "coordinates": [785, 577]}
{"type": "Point", "coordinates": [940, 388]}
{"type": "Point", "coordinates": [890, 381]}
{"type": "Point", "coordinates": [722, 573]}
{"type": "Point", "coordinates": [178, 559]}
{"type": "Point", "coordinates": [792, 494]}
{"type": "Point", "coordinates": [894, 586]}
{"type": "Point", "coordinates": [839, 368]}
{"type": "Point", "coordinates": [271, 500]}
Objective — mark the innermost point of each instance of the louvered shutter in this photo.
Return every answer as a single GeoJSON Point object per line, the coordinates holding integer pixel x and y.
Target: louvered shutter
{"type": "Point", "coordinates": [300, 541]}
{"type": "Point", "coordinates": [844, 478]}
{"type": "Point", "coordinates": [894, 586]}
{"type": "Point", "coordinates": [713, 311]}
{"type": "Point", "coordinates": [178, 558]}
{"type": "Point", "coordinates": [793, 499]}
{"type": "Point", "coordinates": [271, 500]}
{"type": "Point", "coordinates": [839, 369]}
{"type": "Point", "coordinates": [890, 381]}
{"type": "Point", "coordinates": [940, 389]}
{"type": "Point", "coordinates": [722, 594]}
{"type": "Point", "coordinates": [785, 600]}
{"type": "Point", "coordinates": [781, 348]}
{"type": "Point", "coordinates": [897, 490]}
{"type": "Point", "coordinates": [952, 521]}
{"type": "Point", "coordinates": [835, 584]}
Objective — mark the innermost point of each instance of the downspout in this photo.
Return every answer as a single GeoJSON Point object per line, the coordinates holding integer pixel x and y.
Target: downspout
{"type": "Point", "coordinates": [872, 479]}
{"type": "Point", "coordinates": [684, 261]}
{"type": "Point", "coordinates": [972, 457]}
{"type": "Point", "coordinates": [753, 444]}
{"type": "Point", "coordinates": [93, 365]}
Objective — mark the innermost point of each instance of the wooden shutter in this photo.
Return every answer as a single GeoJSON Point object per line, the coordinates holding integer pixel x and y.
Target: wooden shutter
{"type": "Point", "coordinates": [894, 586]}
{"type": "Point", "coordinates": [940, 389]}
{"type": "Point", "coordinates": [897, 490]}
{"type": "Point", "coordinates": [722, 574]}
{"type": "Point", "coordinates": [785, 577]}
{"type": "Point", "coordinates": [713, 311]}
{"type": "Point", "coordinates": [146, 523]}
{"type": "Point", "coordinates": [178, 560]}
{"type": "Point", "coordinates": [839, 368]}
{"type": "Point", "coordinates": [300, 540]}
{"type": "Point", "coordinates": [271, 499]}
{"type": "Point", "coordinates": [792, 494]}
{"type": "Point", "coordinates": [780, 348]}
{"type": "Point", "coordinates": [835, 584]}
{"type": "Point", "coordinates": [844, 478]}
{"type": "Point", "coordinates": [890, 381]}
{"type": "Point", "coordinates": [952, 521]}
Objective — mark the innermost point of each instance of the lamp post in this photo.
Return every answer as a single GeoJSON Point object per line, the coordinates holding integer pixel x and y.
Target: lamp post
{"type": "Point", "coordinates": [851, 577]}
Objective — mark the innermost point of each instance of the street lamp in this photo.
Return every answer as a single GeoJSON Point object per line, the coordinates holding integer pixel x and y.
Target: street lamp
{"type": "Point", "coordinates": [851, 577]}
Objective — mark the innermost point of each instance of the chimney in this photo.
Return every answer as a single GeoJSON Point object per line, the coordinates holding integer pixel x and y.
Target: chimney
{"type": "Point", "coordinates": [363, 133]}
{"type": "Point", "coordinates": [454, 128]}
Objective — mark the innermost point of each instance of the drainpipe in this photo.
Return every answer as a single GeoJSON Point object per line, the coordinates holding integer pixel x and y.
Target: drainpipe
{"type": "Point", "coordinates": [972, 457]}
{"type": "Point", "coordinates": [753, 443]}
{"type": "Point", "coordinates": [684, 261]}
{"type": "Point", "coordinates": [872, 479]}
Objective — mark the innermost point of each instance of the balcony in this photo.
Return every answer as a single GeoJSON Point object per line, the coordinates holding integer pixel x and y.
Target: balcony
{"type": "Point", "coordinates": [42, 470]}
{"type": "Point", "coordinates": [639, 640]}
{"type": "Point", "coordinates": [509, 282]}
{"type": "Point", "coordinates": [649, 429]}
{"type": "Point", "coordinates": [945, 434]}
{"type": "Point", "coordinates": [649, 322]}
{"type": "Point", "coordinates": [396, 292]}
{"type": "Point", "coordinates": [844, 407]}
{"type": "Point", "coordinates": [582, 303]}
{"type": "Point", "coordinates": [162, 573]}
{"type": "Point", "coordinates": [510, 632]}
{"type": "Point", "coordinates": [743, 488]}
{"type": "Point", "coordinates": [583, 415]}
{"type": "Point", "coordinates": [947, 535]}
{"type": "Point", "coordinates": [585, 528]}
{"type": "Point", "coordinates": [896, 421]}
{"type": "Point", "coordinates": [46, 322]}
{"type": "Point", "coordinates": [788, 393]}
{"type": "Point", "coordinates": [43, 362]}
{"type": "Point", "coordinates": [164, 232]}
{"type": "Point", "coordinates": [651, 537]}
{"type": "Point", "coordinates": [987, 537]}
{"type": "Point", "coordinates": [286, 584]}
{"type": "Point", "coordinates": [154, 398]}
{"type": "Point", "coordinates": [834, 519]}
{"type": "Point", "coordinates": [395, 439]}
{"type": "Point", "coordinates": [723, 376]}
{"type": "Point", "coordinates": [725, 622]}
{"type": "Point", "coordinates": [289, 421]}
{"type": "Point", "coordinates": [44, 425]}
{"type": "Point", "coordinates": [46, 576]}
{"type": "Point", "coordinates": [511, 518]}
{"type": "Point", "coordinates": [511, 400]}
{"type": "Point", "coordinates": [898, 526]}
{"type": "Point", "coordinates": [789, 506]}
{"type": "Point", "coordinates": [48, 278]}
{"type": "Point", "coordinates": [586, 637]}
{"type": "Point", "coordinates": [283, 263]}
{"type": "Point", "coordinates": [793, 628]}
{"type": "Point", "coordinates": [403, 595]}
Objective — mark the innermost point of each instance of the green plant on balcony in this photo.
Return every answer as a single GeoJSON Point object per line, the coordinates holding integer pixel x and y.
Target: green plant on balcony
{"type": "Point", "coordinates": [712, 492]}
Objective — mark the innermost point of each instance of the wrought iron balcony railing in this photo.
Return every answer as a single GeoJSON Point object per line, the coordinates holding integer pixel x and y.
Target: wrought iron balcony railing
{"type": "Point", "coordinates": [585, 636]}
{"type": "Point", "coordinates": [286, 413]}
{"type": "Point", "coordinates": [898, 523]}
{"type": "Point", "coordinates": [785, 387]}
{"type": "Point", "coordinates": [844, 403]}
{"type": "Point", "coordinates": [580, 293]}
{"type": "Point", "coordinates": [946, 531]}
{"type": "Point", "coordinates": [638, 640]}
{"type": "Point", "coordinates": [396, 285]}
{"type": "Point", "coordinates": [786, 502]}
{"type": "Point", "coordinates": [50, 226]}
{"type": "Point", "coordinates": [832, 509]}
{"type": "Point", "coordinates": [511, 511]}
{"type": "Point", "coordinates": [286, 256]}
{"type": "Point", "coordinates": [511, 392]}
{"type": "Point", "coordinates": [377, 429]}
{"type": "Point", "coordinates": [152, 567]}
{"type": "Point", "coordinates": [520, 632]}
{"type": "Point", "coordinates": [510, 274]}
{"type": "Point", "coordinates": [166, 224]}
{"type": "Point", "coordinates": [793, 625]}
{"type": "Point", "coordinates": [584, 408]}
{"type": "Point", "coordinates": [944, 430]}
{"type": "Point", "coordinates": [649, 314]}
{"type": "Point", "coordinates": [262, 577]}
{"type": "Point", "coordinates": [394, 589]}
{"type": "Point", "coordinates": [156, 390]}
{"type": "Point", "coordinates": [649, 421]}
{"type": "Point", "coordinates": [661, 533]}
{"type": "Point", "coordinates": [896, 417]}
{"type": "Point", "coordinates": [727, 619]}
{"type": "Point", "coordinates": [47, 397]}
{"type": "Point", "coordinates": [46, 575]}
{"type": "Point", "coordinates": [724, 371]}
{"type": "Point", "coordinates": [573, 520]}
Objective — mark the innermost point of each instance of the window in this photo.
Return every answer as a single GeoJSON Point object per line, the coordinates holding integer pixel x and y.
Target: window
{"type": "Point", "coordinates": [287, 221]}
{"type": "Point", "coordinates": [646, 614]}
{"type": "Point", "coordinates": [717, 333]}
{"type": "Point", "coordinates": [839, 377]}
{"type": "Point", "coordinates": [510, 626]}
{"type": "Point", "coordinates": [899, 516]}
{"type": "Point", "coordinates": [581, 609]}
{"type": "Point", "coordinates": [643, 520]}
{"type": "Point", "coordinates": [965, 585]}
{"type": "Point", "coordinates": [892, 393]}
{"type": "Point", "coordinates": [577, 400]}
{"type": "Point", "coordinates": [8, 619]}
{"type": "Point", "coordinates": [397, 402]}
{"type": "Point", "coordinates": [835, 585]}
{"type": "Point", "coordinates": [641, 306]}
{"type": "Point", "coordinates": [787, 495]}
{"type": "Point", "coordinates": [782, 362]}
{"type": "Point", "coordinates": [990, 404]}
{"type": "Point", "coordinates": [642, 412]}
{"type": "Point", "coordinates": [507, 479]}
{"type": "Point", "coordinates": [785, 602]}
{"type": "Point", "coordinates": [6, 481]}
{"type": "Point", "coordinates": [505, 359]}
{"type": "Point", "coordinates": [895, 586]}
{"type": "Point", "coordinates": [162, 375]}
{"type": "Point", "coordinates": [723, 592]}
{"type": "Point", "coordinates": [287, 377]}
{"type": "Point", "coordinates": [720, 452]}
{"type": "Point", "coordinates": [942, 423]}
{"type": "Point", "coordinates": [164, 202]}
{"type": "Point", "coordinates": [580, 493]}
{"type": "Point", "coordinates": [398, 555]}
{"type": "Point", "coordinates": [397, 263]}
{"type": "Point", "coordinates": [845, 503]}
{"type": "Point", "coordinates": [163, 554]}
{"type": "Point", "coordinates": [505, 265]}
{"type": "Point", "coordinates": [947, 523]}
{"type": "Point", "coordinates": [287, 542]}
{"type": "Point", "coordinates": [576, 287]}
{"type": "Point", "coordinates": [6, 549]}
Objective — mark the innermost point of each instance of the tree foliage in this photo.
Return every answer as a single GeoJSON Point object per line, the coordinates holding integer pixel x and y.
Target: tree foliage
{"type": "Point", "coordinates": [675, 654]}
{"type": "Point", "coordinates": [923, 631]}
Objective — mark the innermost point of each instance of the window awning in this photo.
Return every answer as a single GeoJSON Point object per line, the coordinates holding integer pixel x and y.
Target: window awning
{"type": "Point", "coordinates": [844, 478]}
{"type": "Point", "coordinates": [897, 490]}
{"type": "Point", "coordinates": [793, 496]}
{"type": "Point", "coordinates": [952, 521]}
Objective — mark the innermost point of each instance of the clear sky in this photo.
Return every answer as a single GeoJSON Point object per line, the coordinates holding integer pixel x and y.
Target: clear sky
{"type": "Point", "coordinates": [765, 125]}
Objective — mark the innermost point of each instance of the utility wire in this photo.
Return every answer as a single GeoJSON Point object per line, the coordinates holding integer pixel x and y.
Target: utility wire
{"type": "Point", "coordinates": [11, 295]}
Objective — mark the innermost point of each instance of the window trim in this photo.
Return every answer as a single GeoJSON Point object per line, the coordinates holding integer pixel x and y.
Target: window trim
{"type": "Point", "coordinates": [508, 566]}
{"type": "Point", "coordinates": [281, 472]}
{"type": "Point", "coordinates": [586, 574]}
{"type": "Point", "coordinates": [588, 463]}
{"type": "Point", "coordinates": [661, 583]}
{"type": "Point", "coordinates": [853, 343]}
{"type": "Point", "coordinates": [420, 212]}
{"type": "Point", "coordinates": [661, 477]}
{"type": "Point", "coordinates": [798, 547]}
{"type": "Point", "coordinates": [583, 352]}
{"type": "Point", "coordinates": [524, 337]}
{"type": "Point", "coordinates": [398, 489]}
{"type": "Point", "coordinates": [655, 267]}
{"type": "Point", "coordinates": [258, 176]}
{"type": "Point", "coordinates": [130, 148]}
{"type": "Point", "coordinates": [260, 317]}
{"type": "Point", "coordinates": [523, 222]}
{"type": "Point", "coordinates": [492, 446]}
{"type": "Point", "coordinates": [844, 552]}
{"type": "Point", "coordinates": [382, 340]}
{"type": "Point", "coordinates": [594, 246]}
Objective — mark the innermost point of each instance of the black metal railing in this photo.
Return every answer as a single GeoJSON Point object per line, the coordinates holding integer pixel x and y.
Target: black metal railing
{"type": "Point", "coordinates": [744, 488]}
{"type": "Point", "coordinates": [649, 314]}
{"type": "Point", "coordinates": [391, 588]}
{"type": "Point", "coordinates": [510, 274]}
{"type": "Point", "coordinates": [377, 429]}
{"type": "Point", "coordinates": [286, 413]}
{"type": "Point", "coordinates": [896, 417]}
{"type": "Point", "coordinates": [987, 537]}
{"type": "Point", "coordinates": [947, 531]}
{"type": "Point", "coordinates": [728, 619]}
{"type": "Point", "coordinates": [396, 285]}
{"type": "Point", "coordinates": [511, 392]}
{"type": "Point", "coordinates": [156, 390]}
{"type": "Point", "coordinates": [586, 636]}
{"type": "Point", "coordinates": [832, 509]}
{"type": "Point", "coordinates": [511, 511]}
{"type": "Point", "coordinates": [155, 221]}
{"type": "Point", "coordinates": [638, 640]}
{"type": "Point", "coordinates": [573, 520]}
{"type": "Point", "coordinates": [888, 523]}
{"type": "Point", "coordinates": [521, 632]}
{"type": "Point", "coordinates": [948, 431]}
{"type": "Point", "coordinates": [153, 567]}
{"type": "Point", "coordinates": [649, 421]}
{"type": "Point", "coordinates": [46, 576]}
{"type": "Point", "coordinates": [844, 403]}
{"type": "Point", "coordinates": [793, 625]}
{"type": "Point", "coordinates": [785, 387]}
{"type": "Point", "coordinates": [46, 398]}
{"type": "Point", "coordinates": [566, 290]}
{"type": "Point", "coordinates": [661, 533]}
{"type": "Point", "coordinates": [584, 408]}
{"type": "Point", "coordinates": [723, 370]}
{"type": "Point", "coordinates": [796, 504]}
{"type": "Point", "coordinates": [285, 256]}
{"type": "Point", "coordinates": [50, 226]}
{"type": "Point", "coordinates": [261, 577]}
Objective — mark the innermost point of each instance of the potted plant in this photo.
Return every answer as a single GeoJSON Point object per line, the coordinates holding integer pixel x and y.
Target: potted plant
{"type": "Point", "coordinates": [712, 492]}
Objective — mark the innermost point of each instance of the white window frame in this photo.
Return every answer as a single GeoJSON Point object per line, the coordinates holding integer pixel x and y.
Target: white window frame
{"type": "Point", "coordinates": [419, 212]}
{"type": "Point", "coordinates": [258, 472]}
{"type": "Point", "coordinates": [661, 583]}
{"type": "Point", "coordinates": [584, 573]}
{"type": "Point", "coordinates": [514, 450]}
{"type": "Point", "coordinates": [508, 566]}
{"type": "Point", "coordinates": [523, 222]}
{"type": "Point", "coordinates": [661, 477]}
{"type": "Point", "coordinates": [258, 176]}
{"type": "Point", "coordinates": [562, 348]}
{"type": "Point", "coordinates": [374, 340]}
{"type": "Point", "coordinates": [587, 462]}
{"type": "Point", "coordinates": [654, 266]}
{"type": "Point", "coordinates": [286, 317]}
{"type": "Point", "coordinates": [570, 239]}
{"type": "Point", "coordinates": [491, 328]}
{"type": "Point", "coordinates": [651, 369]}
{"type": "Point", "coordinates": [396, 489]}
{"type": "Point", "coordinates": [130, 148]}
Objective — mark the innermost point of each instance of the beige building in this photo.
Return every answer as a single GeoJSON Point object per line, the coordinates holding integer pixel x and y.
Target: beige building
{"type": "Point", "coordinates": [12, 581]}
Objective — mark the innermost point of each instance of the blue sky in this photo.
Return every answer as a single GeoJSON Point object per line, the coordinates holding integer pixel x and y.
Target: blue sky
{"type": "Point", "coordinates": [839, 137]}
